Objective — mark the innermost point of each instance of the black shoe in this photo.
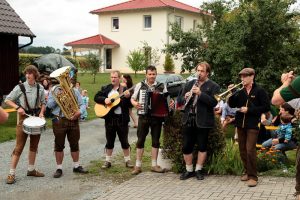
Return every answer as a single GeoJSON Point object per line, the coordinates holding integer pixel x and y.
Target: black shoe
{"type": "Point", "coordinates": [185, 175]}
{"type": "Point", "coordinates": [106, 165]}
{"type": "Point", "coordinates": [80, 170]}
{"type": "Point", "coordinates": [58, 173]}
{"type": "Point", "coordinates": [199, 174]}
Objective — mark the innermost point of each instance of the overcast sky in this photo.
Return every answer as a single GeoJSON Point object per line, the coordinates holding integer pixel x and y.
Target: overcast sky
{"type": "Point", "coordinates": [56, 22]}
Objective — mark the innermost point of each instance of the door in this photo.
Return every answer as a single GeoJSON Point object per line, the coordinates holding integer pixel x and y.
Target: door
{"type": "Point", "coordinates": [108, 58]}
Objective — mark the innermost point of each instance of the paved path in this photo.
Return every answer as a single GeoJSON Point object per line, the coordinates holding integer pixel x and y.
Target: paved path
{"type": "Point", "coordinates": [150, 185]}
{"type": "Point", "coordinates": [147, 185]}
{"type": "Point", "coordinates": [69, 186]}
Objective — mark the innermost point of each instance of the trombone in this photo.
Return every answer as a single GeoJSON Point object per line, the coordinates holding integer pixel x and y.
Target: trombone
{"type": "Point", "coordinates": [219, 97]}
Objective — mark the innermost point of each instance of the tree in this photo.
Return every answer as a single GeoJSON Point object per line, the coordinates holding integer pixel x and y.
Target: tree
{"type": "Point", "coordinates": [169, 63]}
{"type": "Point", "coordinates": [151, 55]}
{"type": "Point", "coordinates": [136, 61]}
{"type": "Point", "coordinates": [189, 46]}
{"type": "Point", "coordinates": [259, 34]}
{"type": "Point", "coordinates": [93, 63]}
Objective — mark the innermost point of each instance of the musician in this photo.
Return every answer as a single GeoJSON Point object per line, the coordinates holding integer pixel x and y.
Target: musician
{"type": "Point", "coordinates": [198, 119]}
{"type": "Point", "coordinates": [3, 115]}
{"type": "Point", "coordinates": [26, 98]}
{"type": "Point", "coordinates": [290, 89]}
{"type": "Point", "coordinates": [116, 121]}
{"type": "Point", "coordinates": [147, 120]}
{"type": "Point", "coordinates": [252, 101]}
{"type": "Point", "coordinates": [62, 128]}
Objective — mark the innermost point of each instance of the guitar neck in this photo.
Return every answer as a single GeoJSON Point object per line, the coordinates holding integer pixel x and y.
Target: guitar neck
{"type": "Point", "coordinates": [121, 95]}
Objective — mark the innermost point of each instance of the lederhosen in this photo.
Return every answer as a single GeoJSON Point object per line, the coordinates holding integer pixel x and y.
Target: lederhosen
{"type": "Point", "coordinates": [147, 121]}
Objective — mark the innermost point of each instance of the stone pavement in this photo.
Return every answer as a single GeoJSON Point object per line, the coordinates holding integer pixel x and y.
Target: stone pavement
{"type": "Point", "coordinates": [148, 185]}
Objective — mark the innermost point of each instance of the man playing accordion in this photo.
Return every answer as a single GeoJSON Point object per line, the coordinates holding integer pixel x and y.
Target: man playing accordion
{"type": "Point", "coordinates": [150, 99]}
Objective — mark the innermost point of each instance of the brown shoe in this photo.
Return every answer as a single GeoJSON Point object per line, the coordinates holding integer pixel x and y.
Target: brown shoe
{"type": "Point", "coordinates": [251, 183]}
{"type": "Point", "coordinates": [158, 169]}
{"type": "Point", "coordinates": [136, 170]}
{"type": "Point", "coordinates": [106, 165]}
{"type": "Point", "coordinates": [244, 177]}
{"type": "Point", "coordinates": [11, 179]}
{"type": "Point", "coordinates": [128, 164]}
{"type": "Point", "coordinates": [35, 173]}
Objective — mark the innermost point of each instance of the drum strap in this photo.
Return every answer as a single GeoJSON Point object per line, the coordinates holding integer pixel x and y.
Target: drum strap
{"type": "Point", "coordinates": [22, 87]}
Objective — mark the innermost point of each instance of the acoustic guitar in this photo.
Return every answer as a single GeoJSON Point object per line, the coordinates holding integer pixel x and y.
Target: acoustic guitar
{"type": "Point", "coordinates": [102, 110]}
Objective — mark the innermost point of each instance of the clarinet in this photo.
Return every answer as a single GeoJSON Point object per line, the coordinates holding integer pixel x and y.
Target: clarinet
{"type": "Point", "coordinates": [188, 99]}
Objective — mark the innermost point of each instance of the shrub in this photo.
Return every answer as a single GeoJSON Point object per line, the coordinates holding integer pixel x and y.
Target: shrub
{"type": "Point", "coordinates": [227, 161]}
{"type": "Point", "coordinates": [26, 59]}
{"type": "Point", "coordinates": [169, 63]}
{"type": "Point", "coordinates": [268, 159]}
{"type": "Point", "coordinates": [172, 141]}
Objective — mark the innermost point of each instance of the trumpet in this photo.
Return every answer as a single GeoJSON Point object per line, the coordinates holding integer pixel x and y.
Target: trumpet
{"type": "Point", "coordinates": [227, 93]}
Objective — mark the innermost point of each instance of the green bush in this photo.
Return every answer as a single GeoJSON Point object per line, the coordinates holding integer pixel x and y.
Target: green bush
{"type": "Point", "coordinates": [226, 162]}
{"type": "Point", "coordinates": [268, 159]}
{"type": "Point", "coordinates": [172, 141]}
{"type": "Point", "coordinates": [26, 59]}
{"type": "Point", "coordinates": [169, 63]}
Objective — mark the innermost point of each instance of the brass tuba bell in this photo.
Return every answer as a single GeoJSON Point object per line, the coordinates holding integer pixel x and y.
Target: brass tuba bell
{"type": "Point", "coordinates": [63, 93]}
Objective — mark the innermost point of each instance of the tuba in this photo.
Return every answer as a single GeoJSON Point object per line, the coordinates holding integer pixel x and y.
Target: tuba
{"type": "Point", "coordinates": [63, 93]}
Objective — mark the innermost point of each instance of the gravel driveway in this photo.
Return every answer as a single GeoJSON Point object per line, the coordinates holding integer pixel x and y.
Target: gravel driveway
{"type": "Point", "coordinates": [69, 186]}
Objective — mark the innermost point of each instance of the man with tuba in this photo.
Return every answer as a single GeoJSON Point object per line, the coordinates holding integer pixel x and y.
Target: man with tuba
{"type": "Point", "coordinates": [198, 119]}
{"type": "Point", "coordinates": [252, 101]}
{"type": "Point", "coordinates": [65, 102]}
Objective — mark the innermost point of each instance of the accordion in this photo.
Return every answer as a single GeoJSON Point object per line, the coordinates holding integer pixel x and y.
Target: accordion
{"type": "Point", "coordinates": [153, 104]}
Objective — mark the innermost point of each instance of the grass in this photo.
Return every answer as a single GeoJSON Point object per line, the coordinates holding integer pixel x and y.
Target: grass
{"type": "Point", "coordinates": [118, 172]}
{"type": "Point", "coordinates": [8, 130]}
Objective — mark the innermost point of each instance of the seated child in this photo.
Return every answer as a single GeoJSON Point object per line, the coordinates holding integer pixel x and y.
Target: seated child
{"type": "Point", "coordinates": [283, 138]}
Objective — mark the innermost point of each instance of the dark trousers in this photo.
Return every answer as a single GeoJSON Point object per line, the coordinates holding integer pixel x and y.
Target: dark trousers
{"type": "Point", "coordinates": [63, 128]}
{"type": "Point", "coordinates": [114, 127]}
{"type": "Point", "coordinates": [144, 124]}
{"type": "Point", "coordinates": [193, 135]}
{"type": "Point", "coordinates": [298, 171]}
{"type": "Point", "coordinates": [247, 139]}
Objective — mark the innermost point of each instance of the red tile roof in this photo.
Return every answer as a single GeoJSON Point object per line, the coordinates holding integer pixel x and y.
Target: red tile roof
{"type": "Point", "coordinates": [142, 4]}
{"type": "Point", "coordinates": [96, 39]}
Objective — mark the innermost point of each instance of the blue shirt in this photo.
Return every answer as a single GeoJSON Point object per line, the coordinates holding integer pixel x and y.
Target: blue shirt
{"type": "Point", "coordinates": [285, 131]}
{"type": "Point", "coordinates": [228, 111]}
{"type": "Point", "coordinates": [56, 109]}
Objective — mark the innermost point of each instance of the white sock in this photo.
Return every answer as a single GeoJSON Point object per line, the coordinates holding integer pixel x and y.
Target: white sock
{"type": "Point", "coordinates": [30, 168]}
{"type": "Point", "coordinates": [108, 158]}
{"type": "Point", "coordinates": [126, 158]}
{"type": "Point", "coordinates": [76, 164]}
{"type": "Point", "coordinates": [154, 163]}
{"type": "Point", "coordinates": [189, 168]}
{"type": "Point", "coordinates": [12, 171]}
{"type": "Point", "coordinates": [198, 167]}
{"type": "Point", "coordinates": [138, 163]}
{"type": "Point", "coordinates": [58, 166]}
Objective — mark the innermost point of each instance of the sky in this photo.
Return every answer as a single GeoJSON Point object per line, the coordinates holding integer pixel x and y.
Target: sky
{"type": "Point", "coordinates": [56, 22]}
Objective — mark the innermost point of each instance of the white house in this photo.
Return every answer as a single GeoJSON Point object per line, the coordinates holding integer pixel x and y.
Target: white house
{"type": "Point", "coordinates": [124, 27]}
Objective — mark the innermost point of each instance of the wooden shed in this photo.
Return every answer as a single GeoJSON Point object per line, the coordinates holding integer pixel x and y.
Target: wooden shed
{"type": "Point", "coordinates": [11, 27]}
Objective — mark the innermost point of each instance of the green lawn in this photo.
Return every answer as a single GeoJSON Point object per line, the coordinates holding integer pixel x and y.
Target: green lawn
{"type": "Point", "coordinates": [7, 130]}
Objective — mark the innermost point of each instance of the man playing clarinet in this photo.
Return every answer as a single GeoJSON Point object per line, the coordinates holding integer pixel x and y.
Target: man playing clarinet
{"type": "Point", "coordinates": [198, 119]}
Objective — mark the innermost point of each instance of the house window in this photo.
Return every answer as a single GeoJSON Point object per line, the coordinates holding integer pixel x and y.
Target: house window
{"type": "Point", "coordinates": [195, 24]}
{"type": "Point", "coordinates": [179, 21]}
{"type": "Point", "coordinates": [115, 23]}
{"type": "Point", "coordinates": [147, 22]}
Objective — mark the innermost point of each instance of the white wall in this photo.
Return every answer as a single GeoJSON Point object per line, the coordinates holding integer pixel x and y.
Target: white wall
{"type": "Point", "coordinates": [131, 33]}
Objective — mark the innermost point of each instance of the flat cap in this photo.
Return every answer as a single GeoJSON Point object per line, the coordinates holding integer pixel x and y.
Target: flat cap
{"type": "Point", "coordinates": [247, 71]}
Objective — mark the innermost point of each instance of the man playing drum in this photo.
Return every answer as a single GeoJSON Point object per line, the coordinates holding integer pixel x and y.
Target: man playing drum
{"type": "Point", "coordinates": [148, 118]}
{"type": "Point", "coordinates": [27, 98]}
